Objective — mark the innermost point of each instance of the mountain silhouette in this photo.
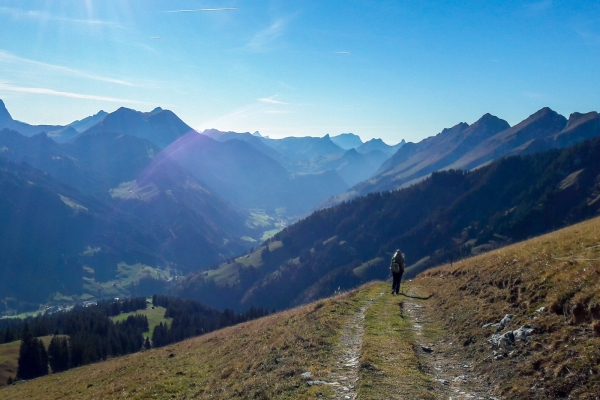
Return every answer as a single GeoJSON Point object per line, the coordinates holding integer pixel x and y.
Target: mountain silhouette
{"type": "Point", "coordinates": [58, 132]}
{"type": "Point", "coordinates": [161, 127]}
{"type": "Point", "coordinates": [347, 141]}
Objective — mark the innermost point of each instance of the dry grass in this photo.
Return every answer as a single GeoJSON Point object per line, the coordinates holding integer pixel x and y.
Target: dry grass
{"type": "Point", "coordinates": [260, 359]}
{"type": "Point", "coordinates": [560, 271]}
{"type": "Point", "coordinates": [390, 367]}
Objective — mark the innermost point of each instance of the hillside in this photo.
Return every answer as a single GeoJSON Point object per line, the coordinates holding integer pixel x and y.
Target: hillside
{"type": "Point", "coordinates": [249, 178]}
{"type": "Point", "coordinates": [426, 343]}
{"type": "Point", "coordinates": [86, 245]}
{"type": "Point", "coordinates": [448, 216]}
{"type": "Point", "coordinates": [468, 147]}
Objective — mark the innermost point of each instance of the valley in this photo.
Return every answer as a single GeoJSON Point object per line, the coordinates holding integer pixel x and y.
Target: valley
{"type": "Point", "coordinates": [428, 342]}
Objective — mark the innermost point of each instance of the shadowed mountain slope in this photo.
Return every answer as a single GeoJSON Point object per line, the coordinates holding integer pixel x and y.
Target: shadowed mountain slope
{"type": "Point", "coordinates": [249, 178]}
{"type": "Point", "coordinates": [469, 147]}
{"type": "Point", "coordinates": [178, 221]}
{"type": "Point", "coordinates": [86, 123]}
{"type": "Point", "coordinates": [314, 155]}
{"type": "Point", "coordinates": [542, 125]}
{"type": "Point", "coordinates": [255, 141]}
{"type": "Point", "coordinates": [353, 166]}
{"type": "Point", "coordinates": [451, 214]}
{"type": "Point", "coordinates": [159, 126]}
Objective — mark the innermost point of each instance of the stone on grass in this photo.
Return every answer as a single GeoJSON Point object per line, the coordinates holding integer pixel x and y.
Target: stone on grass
{"type": "Point", "coordinates": [523, 333]}
{"type": "Point", "coordinates": [306, 375]}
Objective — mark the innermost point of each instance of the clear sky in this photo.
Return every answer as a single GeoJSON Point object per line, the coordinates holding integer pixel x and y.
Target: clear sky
{"type": "Point", "coordinates": [386, 69]}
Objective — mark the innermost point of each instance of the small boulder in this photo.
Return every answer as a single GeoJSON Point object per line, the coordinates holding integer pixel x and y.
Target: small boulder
{"type": "Point", "coordinates": [523, 333]}
{"type": "Point", "coordinates": [306, 375]}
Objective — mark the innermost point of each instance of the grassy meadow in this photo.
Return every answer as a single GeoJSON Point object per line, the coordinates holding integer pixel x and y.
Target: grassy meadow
{"type": "Point", "coordinates": [155, 316]}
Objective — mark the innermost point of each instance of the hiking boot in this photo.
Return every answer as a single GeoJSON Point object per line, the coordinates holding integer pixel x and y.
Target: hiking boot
{"type": "Point", "coordinates": [393, 292]}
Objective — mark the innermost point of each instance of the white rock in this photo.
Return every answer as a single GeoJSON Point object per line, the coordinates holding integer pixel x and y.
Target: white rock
{"type": "Point", "coordinates": [306, 375]}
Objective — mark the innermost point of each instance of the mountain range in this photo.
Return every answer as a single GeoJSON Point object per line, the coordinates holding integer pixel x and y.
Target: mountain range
{"type": "Point", "coordinates": [447, 216]}
{"type": "Point", "coordinates": [183, 201]}
{"type": "Point", "coordinates": [468, 147]}
{"type": "Point", "coordinates": [70, 207]}
{"type": "Point", "coordinates": [310, 155]}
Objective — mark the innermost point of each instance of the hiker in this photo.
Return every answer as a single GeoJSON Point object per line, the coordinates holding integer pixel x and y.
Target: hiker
{"type": "Point", "coordinates": [397, 267]}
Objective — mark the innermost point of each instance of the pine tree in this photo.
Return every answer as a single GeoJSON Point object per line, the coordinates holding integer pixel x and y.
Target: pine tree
{"type": "Point", "coordinates": [58, 354]}
{"type": "Point", "coordinates": [33, 359]}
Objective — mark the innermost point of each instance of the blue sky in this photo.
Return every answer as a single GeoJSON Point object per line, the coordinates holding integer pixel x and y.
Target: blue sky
{"type": "Point", "coordinates": [386, 69]}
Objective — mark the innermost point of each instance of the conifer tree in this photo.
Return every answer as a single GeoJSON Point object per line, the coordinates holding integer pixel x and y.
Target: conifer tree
{"type": "Point", "coordinates": [58, 354]}
{"type": "Point", "coordinates": [33, 359]}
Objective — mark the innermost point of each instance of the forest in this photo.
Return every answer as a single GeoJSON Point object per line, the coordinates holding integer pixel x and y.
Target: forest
{"type": "Point", "coordinates": [84, 335]}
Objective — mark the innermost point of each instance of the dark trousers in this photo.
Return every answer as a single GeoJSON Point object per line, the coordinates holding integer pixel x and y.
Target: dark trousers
{"type": "Point", "coordinates": [397, 276]}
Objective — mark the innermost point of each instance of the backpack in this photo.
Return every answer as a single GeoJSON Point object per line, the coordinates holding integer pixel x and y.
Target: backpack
{"type": "Point", "coordinates": [398, 263]}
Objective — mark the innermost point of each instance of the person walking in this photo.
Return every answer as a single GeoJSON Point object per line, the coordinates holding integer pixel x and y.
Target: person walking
{"type": "Point", "coordinates": [397, 267]}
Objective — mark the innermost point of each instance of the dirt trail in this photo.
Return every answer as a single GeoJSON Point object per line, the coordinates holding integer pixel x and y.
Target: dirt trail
{"type": "Point", "coordinates": [453, 377]}
{"type": "Point", "coordinates": [345, 374]}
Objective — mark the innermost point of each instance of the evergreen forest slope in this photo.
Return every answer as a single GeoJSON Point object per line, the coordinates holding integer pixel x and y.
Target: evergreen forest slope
{"type": "Point", "coordinates": [432, 341]}
{"type": "Point", "coordinates": [448, 216]}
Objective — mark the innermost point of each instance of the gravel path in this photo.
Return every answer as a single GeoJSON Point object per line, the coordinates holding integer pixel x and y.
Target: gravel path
{"type": "Point", "coordinates": [454, 378]}
{"type": "Point", "coordinates": [345, 376]}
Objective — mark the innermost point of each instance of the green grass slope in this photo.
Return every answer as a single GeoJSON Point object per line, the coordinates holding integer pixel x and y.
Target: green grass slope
{"type": "Point", "coordinates": [155, 315]}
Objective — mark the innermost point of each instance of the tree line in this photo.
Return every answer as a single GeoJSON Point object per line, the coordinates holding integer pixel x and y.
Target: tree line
{"type": "Point", "coordinates": [86, 335]}
{"type": "Point", "coordinates": [191, 318]}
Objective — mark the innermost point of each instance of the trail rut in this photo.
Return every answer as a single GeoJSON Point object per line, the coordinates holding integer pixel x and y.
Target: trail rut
{"type": "Point", "coordinates": [346, 371]}
{"type": "Point", "coordinates": [453, 377]}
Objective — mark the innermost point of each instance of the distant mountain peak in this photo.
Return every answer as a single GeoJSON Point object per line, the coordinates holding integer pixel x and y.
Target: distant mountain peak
{"type": "Point", "coordinates": [577, 118]}
{"type": "Point", "coordinates": [347, 140]}
{"type": "Point", "coordinates": [461, 126]}
{"type": "Point", "coordinates": [4, 114]}
{"type": "Point", "coordinates": [160, 127]}
{"type": "Point", "coordinates": [489, 120]}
